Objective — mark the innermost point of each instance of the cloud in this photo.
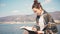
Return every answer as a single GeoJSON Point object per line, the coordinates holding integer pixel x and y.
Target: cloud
{"type": "Point", "coordinates": [15, 11]}
{"type": "Point", "coordinates": [51, 9]}
{"type": "Point", "coordinates": [2, 5]}
{"type": "Point", "coordinates": [46, 1]}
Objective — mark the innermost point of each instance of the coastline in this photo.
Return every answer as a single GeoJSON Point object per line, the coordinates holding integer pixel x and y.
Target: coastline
{"type": "Point", "coordinates": [29, 23]}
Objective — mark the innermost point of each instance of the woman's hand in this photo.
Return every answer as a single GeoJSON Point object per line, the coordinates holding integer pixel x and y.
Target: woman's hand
{"type": "Point", "coordinates": [40, 32]}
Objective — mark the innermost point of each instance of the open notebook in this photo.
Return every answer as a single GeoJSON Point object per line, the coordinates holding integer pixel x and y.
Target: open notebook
{"type": "Point", "coordinates": [29, 29]}
{"type": "Point", "coordinates": [26, 28]}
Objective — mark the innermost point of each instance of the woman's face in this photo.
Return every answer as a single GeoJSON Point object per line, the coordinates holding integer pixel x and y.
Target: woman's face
{"type": "Point", "coordinates": [37, 11]}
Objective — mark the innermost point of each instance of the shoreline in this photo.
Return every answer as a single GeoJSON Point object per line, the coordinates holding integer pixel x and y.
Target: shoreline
{"type": "Point", "coordinates": [19, 23]}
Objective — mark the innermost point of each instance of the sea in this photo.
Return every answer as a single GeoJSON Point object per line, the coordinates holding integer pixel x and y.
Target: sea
{"type": "Point", "coordinates": [15, 28]}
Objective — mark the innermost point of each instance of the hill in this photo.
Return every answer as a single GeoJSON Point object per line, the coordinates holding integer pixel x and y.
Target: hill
{"type": "Point", "coordinates": [27, 18]}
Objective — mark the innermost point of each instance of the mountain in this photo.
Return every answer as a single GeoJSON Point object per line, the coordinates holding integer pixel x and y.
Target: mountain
{"type": "Point", "coordinates": [55, 15]}
{"type": "Point", "coordinates": [27, 18]}
{"type": "Point", "coordinates": [20, 18]}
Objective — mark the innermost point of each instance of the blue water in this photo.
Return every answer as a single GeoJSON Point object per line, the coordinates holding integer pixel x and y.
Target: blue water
{"type": "Point", "coordinates": [14, 28]}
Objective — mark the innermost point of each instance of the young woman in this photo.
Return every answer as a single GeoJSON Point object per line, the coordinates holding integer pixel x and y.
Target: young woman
{"type": "Point", "coordinates": [43, 18]}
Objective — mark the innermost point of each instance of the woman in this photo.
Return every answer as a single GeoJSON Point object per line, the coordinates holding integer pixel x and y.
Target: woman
{"type": "Point", "coordinates": [43, 18]}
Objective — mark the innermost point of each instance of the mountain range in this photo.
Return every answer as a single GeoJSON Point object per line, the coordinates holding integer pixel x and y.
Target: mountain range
{"type": "Point", "coordinates": [27, 18]}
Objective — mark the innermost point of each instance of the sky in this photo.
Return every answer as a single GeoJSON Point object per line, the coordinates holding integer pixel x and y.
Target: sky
{"type": "Point", "coordinates": [24, 7]}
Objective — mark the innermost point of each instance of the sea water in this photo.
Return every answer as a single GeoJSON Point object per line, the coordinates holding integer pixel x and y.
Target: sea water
{"type": "Point", "coordinates": [15, 28]}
